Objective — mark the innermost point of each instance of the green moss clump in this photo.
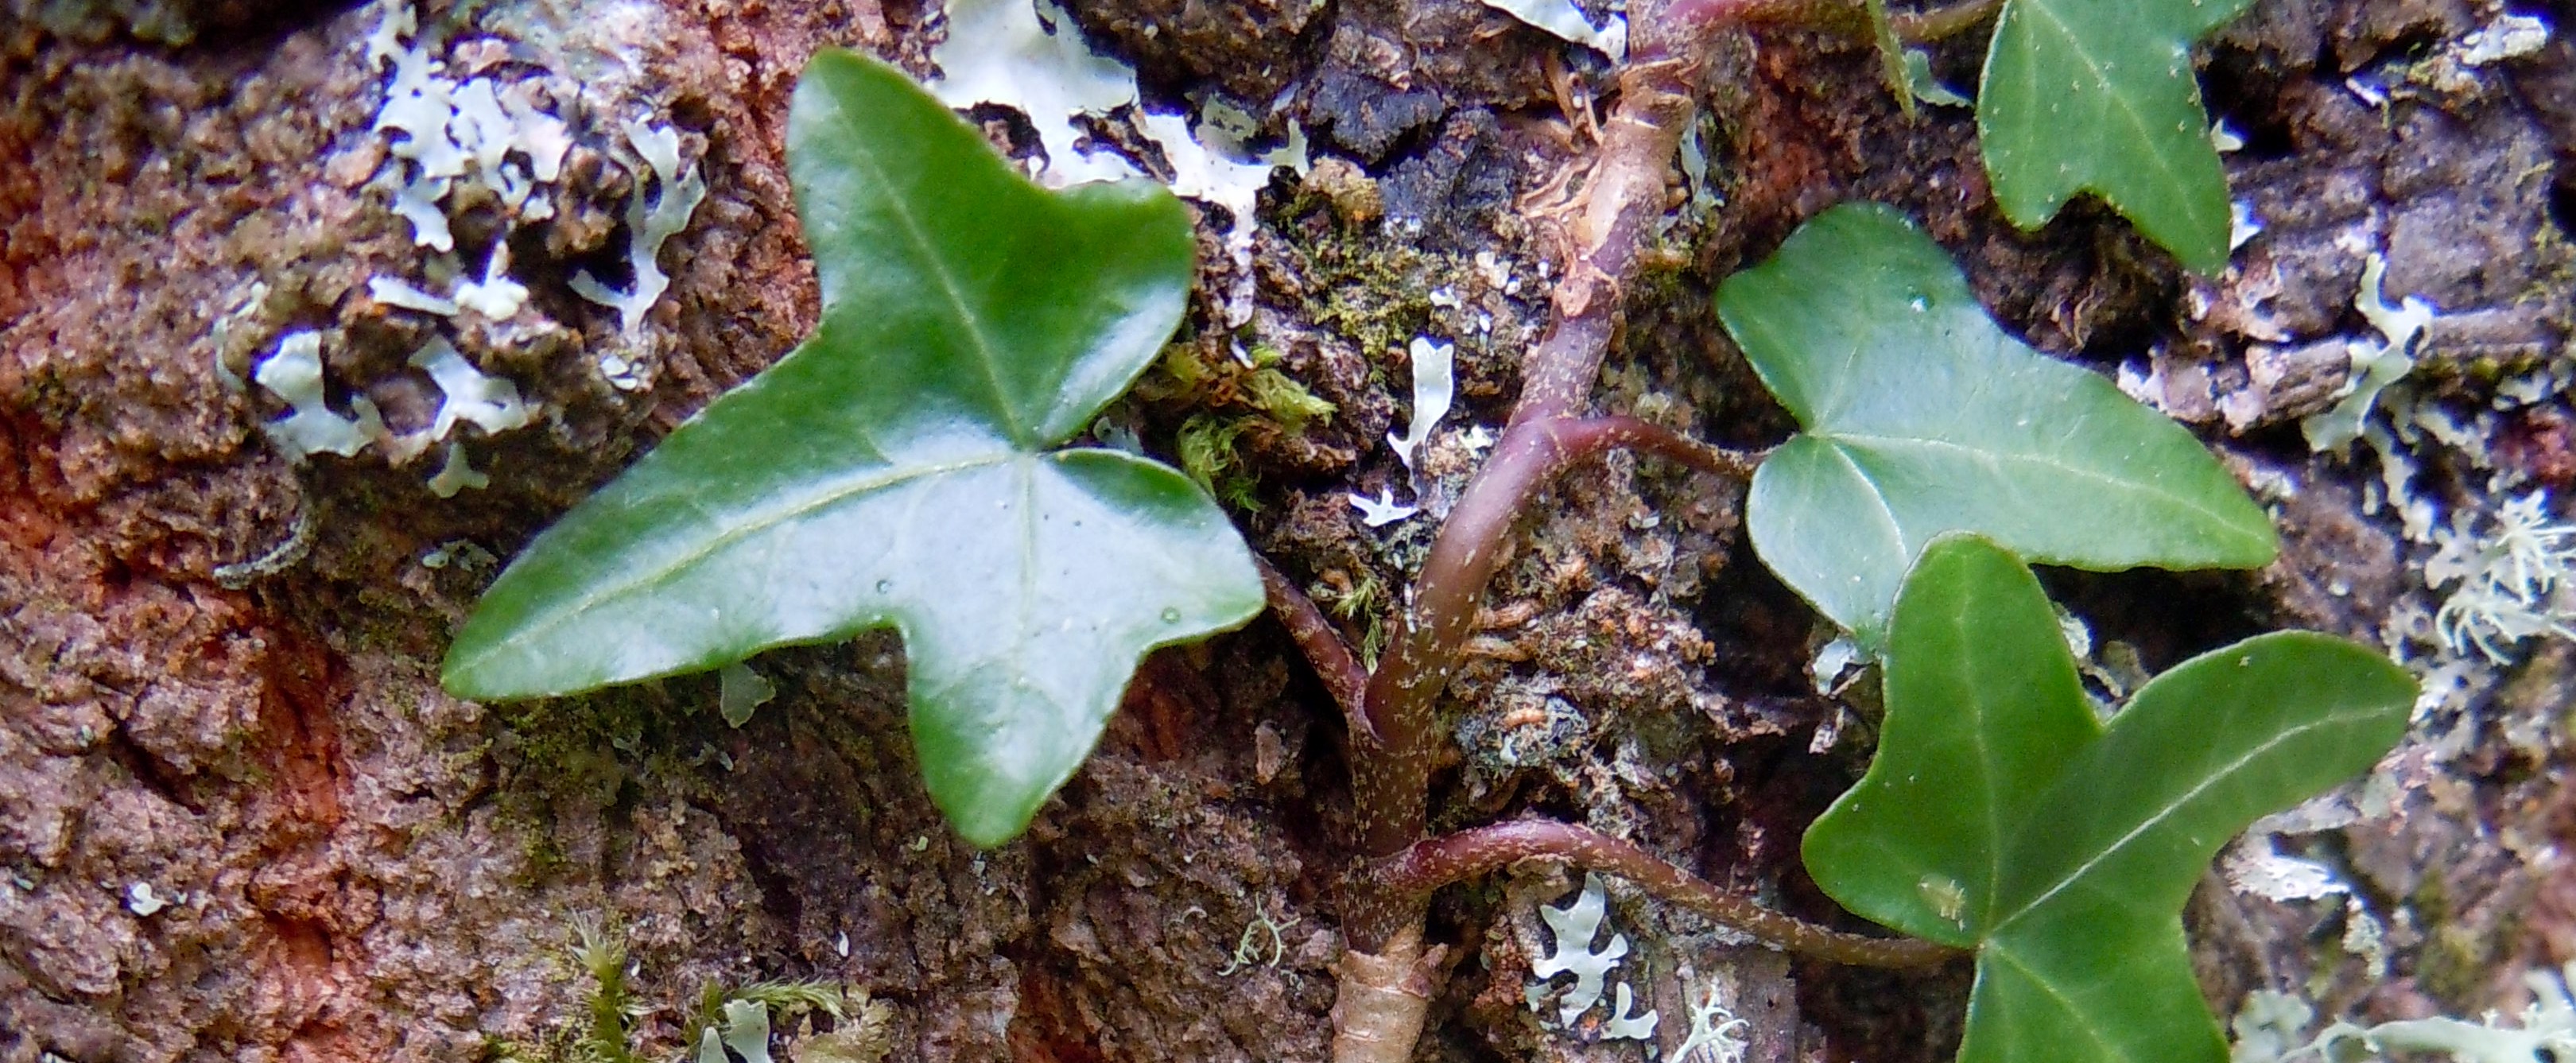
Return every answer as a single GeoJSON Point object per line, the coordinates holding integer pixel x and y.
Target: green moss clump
{"type": "Point", "coordinates": [1206, 445]}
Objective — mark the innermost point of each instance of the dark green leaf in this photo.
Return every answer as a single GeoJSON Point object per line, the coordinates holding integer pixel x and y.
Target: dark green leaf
{"type": "Point", "coordinates": [1922, 418]}
{"type": "Point", "coordinates": [897, 468]}
{"type": "Point", "coordinates": [2100, 96]}
{"type": "Point", "coordinates": [1922, 839]}
{"type": "Point", "coordinates": [1994, 817]}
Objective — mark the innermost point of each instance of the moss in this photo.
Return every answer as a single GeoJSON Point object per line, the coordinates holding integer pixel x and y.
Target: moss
{"type": "Point", "coordinates": [551, 749]}
{"type": "Point", "coordinates": [172, 23]}
{"type": "Point", "coordinates": [1373, 294]}
{"type": "Point", "coordinates": [2458, 962]}
{"type": "Point", "coordinates": [607, 1030]}
{"type": "Point", "coordinates": [1360, 601]}
{"type": "Point", "coordinates": [1368, 288]}
{"type": "Point", "coordinates": [1214, 384]}
{"type": "Point", "coordinates": [2557, 255]}
{"type": "Point", "coordinates": [1192, 373]}
{"type": "Point", "coordinates": [1206, 445]}
{"type": "Point", "coordinates": [1281, 397]}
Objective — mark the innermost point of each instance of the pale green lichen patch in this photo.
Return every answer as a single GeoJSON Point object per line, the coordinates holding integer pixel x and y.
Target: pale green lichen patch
{"type": "Point", "coordinates": [294, 374]}
{"type": "Point", "coordinates": [651, 222]}
{"type": "Point", "coordinates": [1576, 925]}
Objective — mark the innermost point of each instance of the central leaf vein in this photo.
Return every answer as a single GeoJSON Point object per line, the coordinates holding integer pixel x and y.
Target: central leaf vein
{"type": "Point", "coordinates": [2126, 107]}
{"type": "Point", "coordinates": [2107, 480]}
{"type": "Point", "coordinates": [753, 523]}
{"type": "Point", "coordinates": [2176, 805]}
{"type": "Point", "coordinates": [967, 320]}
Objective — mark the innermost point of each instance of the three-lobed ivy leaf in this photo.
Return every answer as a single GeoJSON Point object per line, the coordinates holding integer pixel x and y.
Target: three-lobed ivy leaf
{"type": "Point", "coordinates": [1999, 816]}
{"type": "Point", "coordinates": [899, 468]}
{"type": "Point", "coordinates": [2100, 96]}
{"type": "Point", "coordinates": [1922, 417]}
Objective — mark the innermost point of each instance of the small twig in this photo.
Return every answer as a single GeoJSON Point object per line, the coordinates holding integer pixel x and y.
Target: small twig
{"type": "Point", "coordinates": [1429, 865]}
{"type": "Point", "coordinates": [1322, 643]}
{"type": "Point", "coordinates": [279, 558]}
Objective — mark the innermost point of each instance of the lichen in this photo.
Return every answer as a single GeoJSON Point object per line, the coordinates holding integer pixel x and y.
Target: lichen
{"type": "Point", "coordinates": [1565, 21]}
{"type": "Point", "coordinates": [2270, 1025]}
{"type": "Point", "coordinates": [2376, 364]}
{"type": "Point", "coordinates": [1434, 383]}
{"type": "Point", "coordinates": [448, 131]}
{"type": "Point", "coordinates": [1713, 1026]}
{"type": "Point", "coordinates": [651, 220]}
{"type": "Point", "coordinates": [1382, 510]}
{"type": "Point", "coordinates": [1573, 953]}
{"type": "Point", "coordinates": [2509, 584]}
{"type": "Point", "coordinates": [294, 374]}
{"type": "Point", "coordinates": [1031, 57]}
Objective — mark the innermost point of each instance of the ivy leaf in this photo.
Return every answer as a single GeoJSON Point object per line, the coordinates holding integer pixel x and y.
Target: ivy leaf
{"type": "Point", "coordinates": [898, 469]}
{"type": "Point", "coordinates": [1922, 417]}
{"type": "Point", "coordinates": [2001, 709]}
{"type": "Point", "coordinates": [1998, 818]}
{"type": "Point", "coordinates": [2100, 96]}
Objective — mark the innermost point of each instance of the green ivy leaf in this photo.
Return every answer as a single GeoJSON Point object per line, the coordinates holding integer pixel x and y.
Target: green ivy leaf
{"type": "Point", "coordinates": [898, 468]}
{"type": "Point", "coordinates": [1922, 418]}
{"type": "Point", "coordinates": [1996, 710]}
{"type": "Point", "coordinates": [2100, 96]}
{"type": "Point", "coordinates": [1999, 817]}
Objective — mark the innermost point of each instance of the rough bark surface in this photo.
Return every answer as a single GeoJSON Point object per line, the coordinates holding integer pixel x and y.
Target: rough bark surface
{"type": "Point", "coordinates": [239, 819]}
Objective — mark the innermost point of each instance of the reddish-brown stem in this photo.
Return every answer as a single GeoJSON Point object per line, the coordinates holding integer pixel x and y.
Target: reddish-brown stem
{"type": "Point", "coordinates": [1626, 191]}
{"type": "Point", "coordinates": [1647, 437]}
{"type": "Point", "coordinates": [1322, 644]}
{"type": "Point", "coordinates": [1395, 733]}
{"type": "Point", "coordinates": [1426, 866]}
{"type": "Point", "coordinates": [1623, 195]}
{"type": "Point", "coordinates": [1469, 550]}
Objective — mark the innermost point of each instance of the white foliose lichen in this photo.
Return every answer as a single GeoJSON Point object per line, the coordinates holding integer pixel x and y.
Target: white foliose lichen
{"type": "Point", "coordinates": [2256, 865]}
{"type": "Point", "coordinates": [1434, 388]}
{"type": "Point", "coordinates": [140, 900]}
{"type": "Point", "coordinates": [504, 134]}
{"type": "Point", "coordinates": [501, 134]}
{"type": "Point", "coordinates": [477, 131]}
{"type": "Point", "coordinates": [746, 1032]}
{"type": "Point", "coordinates": [650, 221]}
{"type": "Point", "coordinates": [456, 474]}
{"type": "Point", "coordinates": [2508, 37]}
{"type": "Point", "coordinates": [1435, 385]}
{"type": "Point", "coordinates": [1624, 1023]}
{"type": "Point", "coordinates": [2270, 1026]}
{"type": "Point", "coordinates": [1574, 926]}
{"type": "Point", "coordinates": [294, 374]}
{"type": "Point", "coordinates": [1382, 510]}
{"type": "Point", "coordinates": [2375, 364]}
